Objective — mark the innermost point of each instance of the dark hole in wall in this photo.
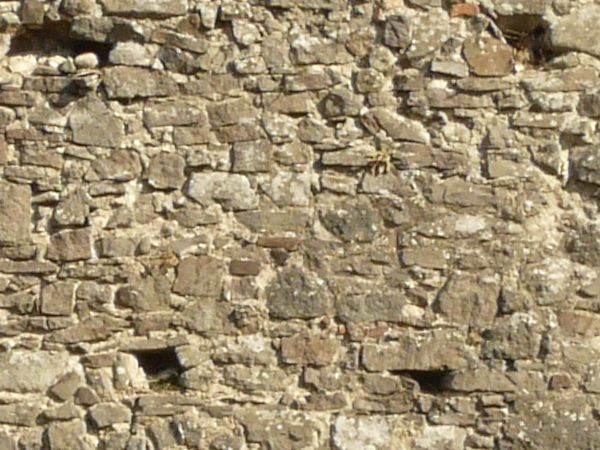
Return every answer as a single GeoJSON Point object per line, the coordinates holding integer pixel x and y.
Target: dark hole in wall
{"type": "Point", "coordinates": [528, 35]}
{"type": "Point", "coordinates": [161, 367]}
{"type": "Point", "coordinates": [430, 381]}
{"type": "Point", "coordinates": [53, 38]}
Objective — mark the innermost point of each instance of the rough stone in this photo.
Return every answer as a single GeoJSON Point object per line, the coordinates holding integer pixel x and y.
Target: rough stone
{"type": "Point", "coordinates": [232, 192]}
{"type": "Point", "coordinates": [166, 171]}
{"type": "Point", "coordinates": [489, 57]}
{"type": "Point", "coordinates": [174, 113]}
{"type": "Point", "coordinates": [309, 350]}
{"type": "Point", "coordinates": [140, 8]}
{"type": "Point", "coordinates": [298, 294]}
{"type": "Point", "coordinates": [106, 414]}
{"type": "Point", "coordinates": [577, 30]}
{"type": "Point", "coordinates": [431, 351]}
{"type": "Point", "coordinates": [356, 433]}
{"type": "Point", "coordinates": [358, 222]}
{"type": "Point", "coordinates": [69, 245]}
{"type": "Point", "coordinates": [93, 123]}
{"type": "Point", "coordinates": [199, 276]}
{"type": "Point", "coordinates": [469, 299]}
{"type": "Point", "coordinates": [58, 299]}
{"type": "Point", "coordinates": [132, 82]}
{"type": "Point", "coordinates": [17, 367]}
{"type": "Point", "coordinates": [15, 213]}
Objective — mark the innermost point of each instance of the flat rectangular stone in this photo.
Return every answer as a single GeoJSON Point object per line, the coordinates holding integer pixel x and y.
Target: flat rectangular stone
{"type": "Point", "coordinates": [145, 8]}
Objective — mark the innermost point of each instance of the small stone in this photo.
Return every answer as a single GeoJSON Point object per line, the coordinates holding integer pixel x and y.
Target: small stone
{"type": "Point", "coordinates": [397, 32]}
{"type": "Point", "coordinates": [67, 246]}
{"type": "Point", "coordinates": [454, 68]}
{"type": "Point", "coordinates": [290, 189]}
{"type": "Point", "coordinates": [86, 61]}
{"type": "Point", "coordinates": [355, 221]}
{"type": "Point", "coordinates": [32, 12]}
{"type": "Point", "coordinates": [174, 113]}
{"type": "Point", "coordinates": [131, 54]}
{"type": "Point", "coordinates": [341, 102]}
{"type": "Point", "coordinates": [120, 165]}
{"type": "Point", "coordinates": [111, 247]}
{"type": "Point", "coordinates": [65, 387]}
{"type": "Point", "coordinates": [239, 133]}
{"type": "Point", "coordinates": [488, 57]}
{"type": "Point", "coordinates": [362, 432]}
{"type": "Point", "coordinates": [106, 414]}
{"type": "Point", "coordinates": [73, 209]}
{"type": "Point", "coordinates": [468, 299]}
{"type": "Point", "coordinates": [15, 213]}
{"type": "Point", "coordinates": [166, 171]}
{"type": "Point", "coordinates": [307, 350]}
{"type": "Point", "coordinates": [93, 123]}
{"type": "Point", "coordinates": [295, 293]}
{"type": "Point", "coordinates": [230, 112]}
{"type": "Point", "coordinates": [232, 191]}
{"type": "Point", "coordinates": [131, 82]}
{"type": "Point", "coordinates": [243, 267]}
{"type": "Point", "coordinates": [58, 299]}
{"type": "Point", "coordinates": [199, 276]}
{"type": "Point", "coordinates": [69, 435]}
{"type": "Point", "coordinates": [155, 9]}
{"type": "Point", "coordinates": [368, 80]}
{"type": "Point", "coordinates": [85, 396]}
{"type": "Point", "coordinates": [251, 156]}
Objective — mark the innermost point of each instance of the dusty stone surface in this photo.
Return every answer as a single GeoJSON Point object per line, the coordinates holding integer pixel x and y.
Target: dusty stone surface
{"type": "Point", "coordinates": [299, 224]}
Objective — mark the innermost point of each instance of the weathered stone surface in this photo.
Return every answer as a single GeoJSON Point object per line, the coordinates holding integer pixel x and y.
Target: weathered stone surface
{"type": "Point", "coordinates": [166, 171]}
{"type": "Point", "coordinates": [470, 299]}
{"type": "Point", "coordinates": [397, 32]}
{"type": "Point", "coordinates": [577, 30]}
{"type": "Point", "coordinates": [199, 276]}
{"type": "Point", "coordinates": [15, 213]}
{"type": "Point", "coordinates": [21, 414]}
{"type": "Point", "coordinates": [132, 82]}
{"type": "Point", "coordinates": [358, 222]}
{"type": "Point", "coordinates": [107, 414]}
{"type": "Point", "coordinates": [299, 224]}
{"type": "Point", "coordinates": [65, 387]}
{"type": "Point", "coordinates": [69, 435]}
{"type": "Point", "coordinates": [251, 156]}
{"type": "Point", "coordinates": [294, 293]}
{"type": "Point", "coordinates": [73, 209]}
{"type": "Point", "coordinates": [488, 57]}
{"type": "Point", "coordinates": [232, 192]}
{"type": "Point", "coordinates": [143, 9]}
{"type": "Point", "coordinates": [121, 165]}
{"type": "Point", "coordinates": [73, 245]}
{"type": "Point", "coordinates": [93, 123]}
{"type": "Point", "coordinates": [290, 189]}
{"type": "Point", "coordinates": [309, 350]}
{"type": "Point", "coordinates": [230, 112]}
{"type": "Point", "coordinates": [438, 350]}
{"type": "Point", "coordinates": [173, 113]}
{"type": "Point", "coordinates": [16, 369]}
{"type": "Point", "coordinates": [362, 432]}
{"type": "Point", "coordinates": [58, 299]}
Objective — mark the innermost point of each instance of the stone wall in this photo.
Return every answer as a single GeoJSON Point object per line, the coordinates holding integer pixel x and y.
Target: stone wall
{"type": "Point", "coordinates": [299, 224]}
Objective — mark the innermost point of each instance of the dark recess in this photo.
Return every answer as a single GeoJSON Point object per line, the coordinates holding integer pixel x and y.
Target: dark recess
{"type": "Point", "coordinates": [161, 366]}
{"type": "Point", "coordinates": [429, 381]}
{"type": "Point", "coordinates": [528, 35]}
{"type": "Point", "coordinates": [53, 38]}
